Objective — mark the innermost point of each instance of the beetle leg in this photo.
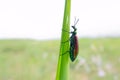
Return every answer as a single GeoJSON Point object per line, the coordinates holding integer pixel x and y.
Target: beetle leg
{"type": "Point", "coordinates": [67, 31]}
{"type": "Point", "coordinates": [68, 40]}
{"type": "Point", "coordinates": [65, 41]}
{"type": "Point", "coordinates": [64, 53]}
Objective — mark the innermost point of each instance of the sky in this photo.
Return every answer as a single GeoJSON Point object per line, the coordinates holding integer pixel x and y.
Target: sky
{"type": "Point", "coordinates": [42, 19]}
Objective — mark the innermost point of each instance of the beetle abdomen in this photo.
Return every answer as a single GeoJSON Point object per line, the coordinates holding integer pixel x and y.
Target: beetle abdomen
{"type": "Point", "coordinates": [73, 47]}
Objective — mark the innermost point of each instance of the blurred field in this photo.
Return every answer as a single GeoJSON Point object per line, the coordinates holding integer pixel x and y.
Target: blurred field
{"type": "Point", "coordinates": [99, 59]}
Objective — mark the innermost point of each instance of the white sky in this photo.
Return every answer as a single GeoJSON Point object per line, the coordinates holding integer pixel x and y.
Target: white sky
{"type": "Point", "coordinates": [42, 19]}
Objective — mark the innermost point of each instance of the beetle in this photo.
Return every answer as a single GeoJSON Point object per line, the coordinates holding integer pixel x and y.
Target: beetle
{"type": "Point", "coordinates": [73, 50]}
{"type": "Point", "coordinates": [74, 43]}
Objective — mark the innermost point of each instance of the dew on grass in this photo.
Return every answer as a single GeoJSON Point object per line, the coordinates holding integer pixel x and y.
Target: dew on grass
{"type": "Point", "coordinates": [83, 62]}
{"type": "Point", "coordinates": [101, 72]}
{"type": "Point", "coordinates": [97, 60]}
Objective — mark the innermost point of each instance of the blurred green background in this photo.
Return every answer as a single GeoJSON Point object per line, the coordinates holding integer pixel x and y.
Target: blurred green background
{"type": "Point", "coordinates": [98, 59]}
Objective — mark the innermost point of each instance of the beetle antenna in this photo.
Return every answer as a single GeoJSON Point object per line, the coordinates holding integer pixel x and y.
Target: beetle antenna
{"type": "Point", "coordinates": [75, 22]}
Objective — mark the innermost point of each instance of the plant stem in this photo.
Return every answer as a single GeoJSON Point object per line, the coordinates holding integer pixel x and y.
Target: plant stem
{"type": "Point", "coordinates": [63, 61]}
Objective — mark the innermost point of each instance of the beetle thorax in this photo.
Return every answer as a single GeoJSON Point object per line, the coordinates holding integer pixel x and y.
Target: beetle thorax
{"type": "Point", "coordinates": [74, 33]}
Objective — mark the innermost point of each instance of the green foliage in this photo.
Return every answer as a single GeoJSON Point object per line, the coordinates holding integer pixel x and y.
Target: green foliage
{"type": "Point", "coordinates": [37, 60]}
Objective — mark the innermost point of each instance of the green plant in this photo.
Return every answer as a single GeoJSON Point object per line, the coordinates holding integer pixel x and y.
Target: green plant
{"type": "Point", "coordinates": [63, 62]}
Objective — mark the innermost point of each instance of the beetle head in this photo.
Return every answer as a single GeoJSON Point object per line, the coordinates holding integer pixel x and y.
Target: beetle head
{"type": "Point", "coordinates": [74, 28]}
{"type": "Point", "coordinates": [75, 22]}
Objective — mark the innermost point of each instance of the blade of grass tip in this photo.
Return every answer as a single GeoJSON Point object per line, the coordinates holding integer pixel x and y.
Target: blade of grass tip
{"type": "Point", "coordinates": [63, 61]}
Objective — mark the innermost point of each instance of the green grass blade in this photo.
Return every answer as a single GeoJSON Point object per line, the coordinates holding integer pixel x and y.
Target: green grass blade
{"type": "Point", "coordinates": [63, 61]}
